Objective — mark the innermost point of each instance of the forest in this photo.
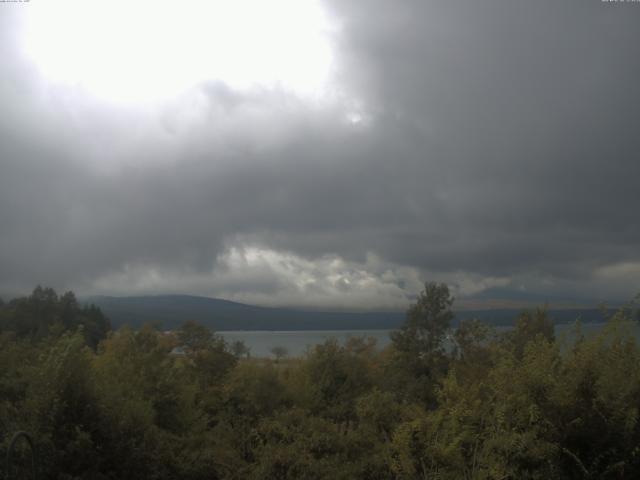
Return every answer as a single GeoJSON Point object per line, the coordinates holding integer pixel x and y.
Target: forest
{"type": "Point", "coordinates": [437, 403]}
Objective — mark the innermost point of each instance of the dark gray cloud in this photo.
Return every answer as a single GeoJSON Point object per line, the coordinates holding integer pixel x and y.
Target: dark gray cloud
{"type": "Point", "coordinates": [482, 143]}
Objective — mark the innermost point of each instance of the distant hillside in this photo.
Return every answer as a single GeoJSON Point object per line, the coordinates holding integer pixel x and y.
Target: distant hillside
{"type": "Point", "coordinates": [170, 311]}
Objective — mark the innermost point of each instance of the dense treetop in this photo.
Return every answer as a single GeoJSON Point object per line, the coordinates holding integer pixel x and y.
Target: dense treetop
{"type": "Point", "coordinates": [436, 403]}
{"type": "Point", "coordinates": [45, 313]}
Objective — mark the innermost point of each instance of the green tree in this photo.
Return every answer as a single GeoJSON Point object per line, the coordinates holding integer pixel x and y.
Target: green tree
{"type": "Point", "coordinates": [279, 352]}
{"type": "Point", "coordinates": [148, 400]}
{"type": "Point", "coordinates": [207, 353]}
{"type": "Point", "coordinates": [427, 322]}
{"type": "Point", "coordinates": [419, 354]}
{"type": "Point", "coordinates": [62, 409]}
{"type": "Point", "coordinates": [254, 390]}
{"type": "Point", "coordinates": [529, 326]}
{"type": "Point", "coordinates": [474, 349]}
{"type": "Point", "coordinates": [44, 313]}
{"type": "Point", "coordinates": [240, 349]}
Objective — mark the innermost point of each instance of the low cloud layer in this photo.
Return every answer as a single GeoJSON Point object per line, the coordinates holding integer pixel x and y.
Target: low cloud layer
{"type": "Point", "coordinates": [485, 144]}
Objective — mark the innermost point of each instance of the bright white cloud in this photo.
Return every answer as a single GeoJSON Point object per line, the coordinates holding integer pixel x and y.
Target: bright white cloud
{"type": "Point", "coordinates": [267, 277]}
{"type": "Point", "coordinates": [149, 51]}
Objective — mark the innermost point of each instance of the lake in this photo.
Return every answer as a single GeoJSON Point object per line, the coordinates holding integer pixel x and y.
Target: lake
{"type": "Point", "coordinates": [297, 342]}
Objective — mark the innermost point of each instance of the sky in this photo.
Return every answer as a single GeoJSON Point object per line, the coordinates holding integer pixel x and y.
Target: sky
{"type": "Point", "coordinates": [321, 154]}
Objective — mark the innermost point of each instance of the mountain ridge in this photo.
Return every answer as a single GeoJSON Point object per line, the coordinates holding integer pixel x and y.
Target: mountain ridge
{"type": "Point", "coordinates": [171, 310]}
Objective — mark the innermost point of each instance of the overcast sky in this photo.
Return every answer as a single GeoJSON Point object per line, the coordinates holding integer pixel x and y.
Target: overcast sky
{"type": "Point", "coordinates": [484, 143]}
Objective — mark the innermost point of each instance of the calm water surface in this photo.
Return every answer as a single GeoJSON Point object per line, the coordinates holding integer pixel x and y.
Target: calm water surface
{"type": "Point", "coordinates": [297, 342]}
